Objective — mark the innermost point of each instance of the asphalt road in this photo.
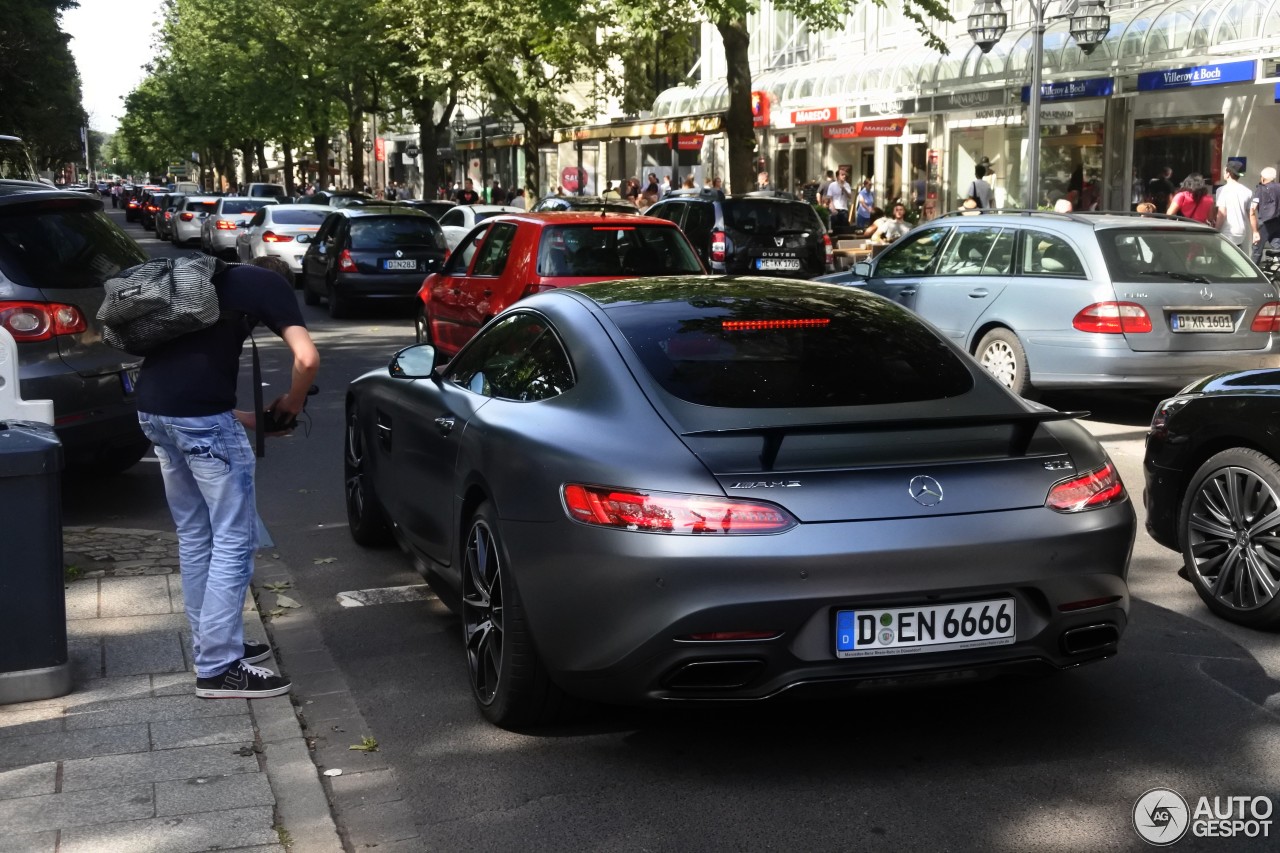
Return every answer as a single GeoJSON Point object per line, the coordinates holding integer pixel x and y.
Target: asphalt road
{"type": "Point", "coordinates": [1191, 703]}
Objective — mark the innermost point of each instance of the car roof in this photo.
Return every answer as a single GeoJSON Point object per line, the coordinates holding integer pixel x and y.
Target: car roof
{"type": "Point", "coordinates": [13, 193]}
{"type": "Point", "coordinates": [1090, 220]}
{"type": "Point", "coordinates": [582, 217]}
{"type": "Point", "coordinates": [490, 208]}
{"type": "Point", "coordinates": [377, 210]}
{"type": "Point", "coordinates": [320, 208]}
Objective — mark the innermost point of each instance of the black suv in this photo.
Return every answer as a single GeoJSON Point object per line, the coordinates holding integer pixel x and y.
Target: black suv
{"type": "Point", "coordinates": [755, 234]}
{"type": "Point", "coordinates": [57, 249]}
{"type": "Point", "coordinates": [371, 253]}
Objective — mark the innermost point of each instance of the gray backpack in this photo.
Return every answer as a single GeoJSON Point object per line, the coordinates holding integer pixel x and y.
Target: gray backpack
{"type": "Point", "coordinates": [155, 302]}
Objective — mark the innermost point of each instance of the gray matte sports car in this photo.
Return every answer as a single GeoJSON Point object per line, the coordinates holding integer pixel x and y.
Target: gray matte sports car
{"type": "Point", "coordinates": [732, 488]}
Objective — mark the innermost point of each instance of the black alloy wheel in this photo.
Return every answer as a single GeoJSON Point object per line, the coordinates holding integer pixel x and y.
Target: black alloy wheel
{"type": "Point", "coordinates": [507, 678]}
{"type": "Point", "coordinates": [365, 517]}
{"type": "Point", "coordinates": [1230, 531]}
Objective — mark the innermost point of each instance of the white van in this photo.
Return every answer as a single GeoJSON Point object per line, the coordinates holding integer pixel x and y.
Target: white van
{"type": "Point", "coordinates": [186, 188]}
{"type": "Point", "coordinates": [263, 190]}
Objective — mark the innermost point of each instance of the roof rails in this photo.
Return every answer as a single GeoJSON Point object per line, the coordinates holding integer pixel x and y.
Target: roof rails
{"type": "Point", "coordinates": [782, 194]}
{"type": "Point", "coordinates": [1074, 216]}
{"type": "Point", "coordinates": [696, 192]}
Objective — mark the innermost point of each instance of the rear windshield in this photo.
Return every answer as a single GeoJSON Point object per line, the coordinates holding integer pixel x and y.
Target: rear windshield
{"type": "Point", "coordinates": [59, 249]}
{"type": "Point", "coordinates": [298, 217]}
{"type": "Point", "coordinates": [244, 205]}
{"type": "Point", "coordinates": [201, 205]}
{"type": "Point", "coordinates": [753, 216]}
{"type": "Point", "coordinates": [396, 232]}
{"type": "Point", "coordinates": [15, 165]}
{"type": "Point", "coordinates": [621, 250]}
{"type": "Point", "coordinates": [807, 351]}
{"type": "Point", "coordinates": [1173, 254]}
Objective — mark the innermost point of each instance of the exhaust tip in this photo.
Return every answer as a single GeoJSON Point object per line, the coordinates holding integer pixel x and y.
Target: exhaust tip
{"type": "Point", "coordinates": [1090, 638]}
{"type": "Point", "coordinates": [714, 674]}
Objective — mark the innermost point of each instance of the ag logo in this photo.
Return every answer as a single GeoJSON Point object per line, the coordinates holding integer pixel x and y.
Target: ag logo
{"type": "Point", "coordinates": [1161, 817]}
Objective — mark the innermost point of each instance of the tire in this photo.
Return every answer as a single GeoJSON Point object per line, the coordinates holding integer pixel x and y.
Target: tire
{"type": "Point", "coordinates": [507, 679]}
{"type": "Point", "coordinates": [339, 306]}
{"type": "Point", "coordinates": [365, 517]}
{"type": "Point", "coordinates": [1001, 353]}
{"type": "Point", "coordinates": [1223, 545]}
{"type": "Point", "coordinates": [309, 296]}
{"type": "Point", "coordinates": [422, 327]}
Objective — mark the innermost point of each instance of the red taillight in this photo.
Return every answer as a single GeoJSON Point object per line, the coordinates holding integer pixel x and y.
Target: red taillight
{"type": "Point", "coordinates": [1113, 318]}
{"type": "Point", "coordinates": [1088, 491]}
{"type": "Point", "coordinates": [1267, 318]}
{"type": "Point", "coordinates": [273, 237]}
{"type": "Point", "coordinates": [187, 217]}
{"type": "Point", "coordinates": [830, 251]}
{"type": "Point", "coordinates": [168, 214]}
{"type": "Point", "coordinates": [152, 208]}
{"type": "Point", "coordinates": [759, 325]}
{"type": "Point", "coordinates": [717, 246]}
{"type": "Point", "coordinates": [226, 225]}
{"type": "Point", "coordinates": [40, 321]}
{"type": "Point", "coordinates": [663, 512]}
{"type": "Point", "coordinates": [345, 264]}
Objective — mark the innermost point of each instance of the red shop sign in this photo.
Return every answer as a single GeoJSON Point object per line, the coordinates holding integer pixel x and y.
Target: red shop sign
{"type": "Point", "coordinates": [759, 109]}
{"type": "Point", "coordinates": [859, 129]}
{"type": "Point", "coordinates": [379, 149]}
{"type": "Point", "coordinates": [817, 115]}
{"type": "Point", "coordinates": [686, 142]}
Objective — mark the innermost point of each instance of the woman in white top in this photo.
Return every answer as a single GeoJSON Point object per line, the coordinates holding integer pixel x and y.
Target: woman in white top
{"type": "Point", "coordinates": [890, 228]}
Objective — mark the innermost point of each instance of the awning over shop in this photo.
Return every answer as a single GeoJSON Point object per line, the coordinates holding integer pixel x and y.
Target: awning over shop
{"type": "Point", "coordinates": [491, 142]}
{"type": "Point", "coordinates": [678, 125]}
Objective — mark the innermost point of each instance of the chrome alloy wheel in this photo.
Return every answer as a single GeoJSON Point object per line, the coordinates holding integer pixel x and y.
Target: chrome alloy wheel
{"type": "Point", "coordinates": [354, 467]}
{"type": "Point", "coordinates": [482, 610]}
{"type": "Point", "coordinates": [1233, 538]}
{"type": "Point", "coordinates": [1001, 362]}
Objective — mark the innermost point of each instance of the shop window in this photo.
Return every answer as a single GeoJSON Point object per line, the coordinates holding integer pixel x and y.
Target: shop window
{"type": "Point", "coordinates": [1046, 254]}
{"type": "Point", "coordinates": [1165, 151]}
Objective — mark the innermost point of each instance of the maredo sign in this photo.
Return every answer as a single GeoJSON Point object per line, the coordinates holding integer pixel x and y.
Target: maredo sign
{"type": "Point", "coordinates": [817, 115]}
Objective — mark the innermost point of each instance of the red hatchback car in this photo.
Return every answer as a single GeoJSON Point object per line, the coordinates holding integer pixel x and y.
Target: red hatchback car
{"type": "Point", "coordinates": [509, 257]}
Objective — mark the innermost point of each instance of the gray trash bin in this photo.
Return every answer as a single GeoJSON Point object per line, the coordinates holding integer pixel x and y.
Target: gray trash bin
{"type": "Point", "coordinates": [33, 610]}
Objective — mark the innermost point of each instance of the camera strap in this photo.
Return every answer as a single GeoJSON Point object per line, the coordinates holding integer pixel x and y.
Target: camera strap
{"type": "Point", "coordinates": [259, 435]}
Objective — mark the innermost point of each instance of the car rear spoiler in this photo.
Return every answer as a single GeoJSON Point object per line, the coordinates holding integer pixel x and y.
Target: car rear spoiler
{"type": "Point", "coordinates": [1024, 426]}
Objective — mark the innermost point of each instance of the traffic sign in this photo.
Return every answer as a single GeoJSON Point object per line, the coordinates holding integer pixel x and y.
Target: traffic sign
{"type": "Point", "coordinates": [412, 150]}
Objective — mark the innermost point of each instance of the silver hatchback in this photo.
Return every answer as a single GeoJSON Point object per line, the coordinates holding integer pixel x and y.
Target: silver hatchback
{"type": "Point", "coordinates": [1084, 300]}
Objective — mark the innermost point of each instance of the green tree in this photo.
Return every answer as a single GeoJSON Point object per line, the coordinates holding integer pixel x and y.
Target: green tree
{"type": "Point", "coordinates": [730, 19]}
{"type": "Point", "coordinates": [40, 84]}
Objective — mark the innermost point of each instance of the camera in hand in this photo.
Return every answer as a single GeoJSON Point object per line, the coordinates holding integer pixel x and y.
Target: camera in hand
{"type": "Point", "coordinates": [273, 421]}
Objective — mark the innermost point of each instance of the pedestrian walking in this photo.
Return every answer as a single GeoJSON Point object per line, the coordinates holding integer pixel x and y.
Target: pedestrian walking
{"type": "Point", "coordinates": [186, 407]}
{"type": "Point", "coordinates": [468, 194]}
{"type": "Point", "coordinates": [517, 198]}
{"type": "Point", "coordinates": [979, 188]}
{"type": "Point", "coordinates": [665, 190]}
{"type": "Point", "coordinates": [839, 198]}
{"type": "Point", "coordinates": [1232, 201]}
{"type": "Point", "coordinates": [763, 182]}
{"type": "Point", "coordinates": [1264, 213]}
{"type": "Point", "coordinates": [866, 201]}
{"type": "Point", "coordinates": [1194, 201]}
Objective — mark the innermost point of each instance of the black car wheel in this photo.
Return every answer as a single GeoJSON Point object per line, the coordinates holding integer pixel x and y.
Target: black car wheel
{"type": "Point", "coordinates": [1230, 532]}
{"type": "Point", "coordinates": [339, 306]}
{"type": "Point", "coordinates": [365, 517]}
{"type": "Point", "coordinates": [1001, 353]}
{"type": "Point", "coordinates": [507, 679]}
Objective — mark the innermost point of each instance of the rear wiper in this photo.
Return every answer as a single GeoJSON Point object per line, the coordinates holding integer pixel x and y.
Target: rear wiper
{"type": "Point", "coordinates": [1177, 276]}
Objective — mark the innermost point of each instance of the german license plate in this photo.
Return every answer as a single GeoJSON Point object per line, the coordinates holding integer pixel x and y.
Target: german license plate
{"type": "Point", "coordinates": [777, 263]}
{"type": "Point", "coordinates": [129, 379]}
{"type": "Point", "coordinates": [1201, 322]}
{"type": "Point", "coordinates": [882, 632]}
{"type": "Point", "coordinates": [400, 264]}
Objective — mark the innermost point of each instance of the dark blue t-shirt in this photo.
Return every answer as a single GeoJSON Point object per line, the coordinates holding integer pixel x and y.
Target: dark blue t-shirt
{"type": "Point", "coordinates": [195, 375]}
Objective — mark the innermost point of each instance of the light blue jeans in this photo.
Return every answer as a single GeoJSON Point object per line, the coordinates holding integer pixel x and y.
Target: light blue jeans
{"type": "Point", "coordinates": [208, 467]}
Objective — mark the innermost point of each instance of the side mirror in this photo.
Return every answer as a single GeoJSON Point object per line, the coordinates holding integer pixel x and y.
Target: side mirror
{"type": "Point", "coordinates": [415, 362]}
{"type": "Point", "coordinates": [862, 269]}
{"type": "Point", "coordinates": [303, 238]}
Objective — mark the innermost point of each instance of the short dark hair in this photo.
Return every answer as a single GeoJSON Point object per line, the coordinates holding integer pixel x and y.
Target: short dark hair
{"type": "Point", "coordinates": [276, 265]}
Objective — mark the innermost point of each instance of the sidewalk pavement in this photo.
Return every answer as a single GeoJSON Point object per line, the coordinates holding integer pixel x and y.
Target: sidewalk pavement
{"type": "Point", "coordinates": [131, 760]}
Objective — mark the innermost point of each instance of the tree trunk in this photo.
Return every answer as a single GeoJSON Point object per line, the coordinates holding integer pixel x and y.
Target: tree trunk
{"type": "Point", "coordinates": [260, 148]}
{"type": "Point", "coordinates": [320, 141]}
{"type": "Point", "coordinates": [355, 142]}
{"type": "Point", "coordinates": [737, 122]}
{"type": "Point", "coordinates": [246, 164]}
{"type": "Point", "coordinates": [424, 113]}
{"type": "Point", "coordinates": [288, 166]}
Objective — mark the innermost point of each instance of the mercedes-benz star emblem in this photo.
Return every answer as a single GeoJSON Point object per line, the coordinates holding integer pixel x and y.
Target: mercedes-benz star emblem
{"type": "Point", "coordinates": [925, 491]}
{"type": "Point", "coordinates": [399, 253]}
{"type": "Point", "coordinates": [1206, 293]}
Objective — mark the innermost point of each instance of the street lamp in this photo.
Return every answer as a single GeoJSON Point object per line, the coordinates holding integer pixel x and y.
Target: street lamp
{"type": "Point", "coordinates": [1088, 26]}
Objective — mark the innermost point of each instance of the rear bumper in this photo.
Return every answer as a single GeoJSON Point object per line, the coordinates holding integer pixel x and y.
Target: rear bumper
{"type": "Point", "coordinates": [1071, 362]}
{"type": "Point", "coordinates": [612, 612]}
{"type": "Point", "coordinates": [93, 416]}
{"type": "Point", "coordinates": [290, 253]}
{"type": "Point", "coordinates": [222, 241]}
{"type": "Point", "coordinates": [379, 286]}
